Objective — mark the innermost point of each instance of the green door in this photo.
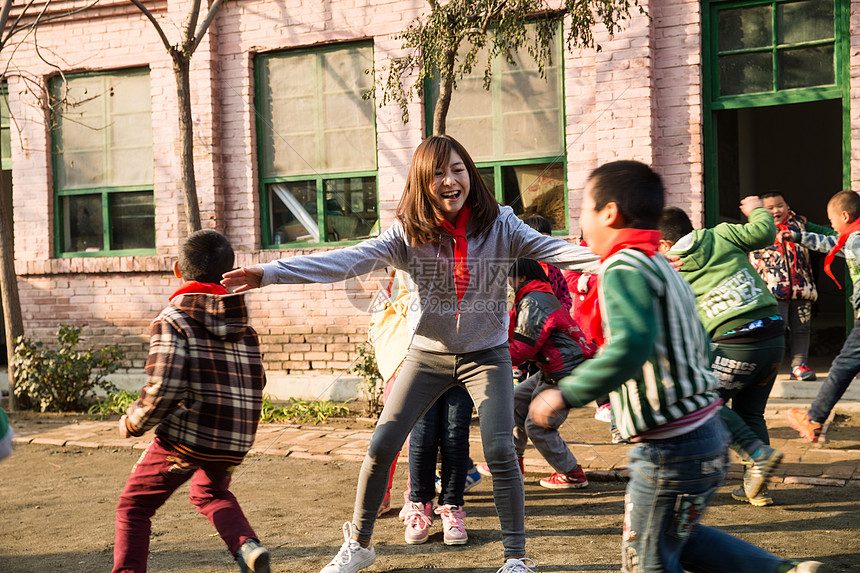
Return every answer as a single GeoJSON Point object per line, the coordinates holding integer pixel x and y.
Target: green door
{"type": "Point", "coordinates": [776, 118]}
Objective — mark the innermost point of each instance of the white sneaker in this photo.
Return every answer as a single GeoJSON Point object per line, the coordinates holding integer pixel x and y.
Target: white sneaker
{"type": "Point", "coordinates": [518, 566]}
{"type": "Point", "coordinates": [352, 557]}
{"type": "Point", "coordinates": [805, 567]}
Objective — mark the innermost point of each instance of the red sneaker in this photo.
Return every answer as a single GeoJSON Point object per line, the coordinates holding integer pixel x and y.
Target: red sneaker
{"type": "Point", "coordinates": [574, 479]}
{"type": "Point", "coordinates": [799, 420]}
{"type": "Point", "coordinates": [802, 372]}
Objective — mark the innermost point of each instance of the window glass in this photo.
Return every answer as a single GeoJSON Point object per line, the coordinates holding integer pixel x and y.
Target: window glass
{"type": "Point", "coordinates": [132, 220]}
{"type": "Point", "coordinates": [103, 161]}
{"type": "Point", "coordinates": [520, 115]}
{"type": "Point", "coordinates": [104, 132]}
{"type": "Point", "coordinates": [804, 21]}
{"type": "Point", "coordinates": [805, 67]}
{"type": "Point", "coordinates": [350, 208]}
{"type": "Point", "coordinates": [5, 131]}
{"type": "Point", "coordinates": [317, 145]}
{"type": "Point", "coordinates": [746, 73]}
{"type": "Point", "coordinates": [83, 223]}
{"type": "Point", "coordinates": [536, 189]}
{"type": "Point", "coordinates": [321, 123]}
{"type": "Point", "coordinates": [745, 28]}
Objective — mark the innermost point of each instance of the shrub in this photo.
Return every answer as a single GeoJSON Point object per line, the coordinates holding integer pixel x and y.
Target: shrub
{"type": "Point", "coordinates": [296, 410]}
{"type": "Point", "coordinates": [62, 379]}
{"type": "Point", "coordinates": [114, 403]}
{"type": "Point", "coordinates": [372, 384]}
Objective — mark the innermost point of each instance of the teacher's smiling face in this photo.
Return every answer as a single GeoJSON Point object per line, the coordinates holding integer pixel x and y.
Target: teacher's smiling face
{"type": "Point", "coordinates": [451, 186]}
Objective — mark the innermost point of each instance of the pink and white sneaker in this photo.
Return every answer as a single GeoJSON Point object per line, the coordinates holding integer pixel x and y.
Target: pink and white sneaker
{"type": "Point", "coordinates": [417, 516]}
{"type": "Point", "coordinates": [453, 528]}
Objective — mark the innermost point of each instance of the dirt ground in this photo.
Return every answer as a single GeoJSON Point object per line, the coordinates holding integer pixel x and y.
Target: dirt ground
{"type": "Point", "coordinates": [57, 513]}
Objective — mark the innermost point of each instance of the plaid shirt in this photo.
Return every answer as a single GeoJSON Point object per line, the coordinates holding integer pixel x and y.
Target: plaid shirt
{"type": "Point", "coordinates": [205, 379]}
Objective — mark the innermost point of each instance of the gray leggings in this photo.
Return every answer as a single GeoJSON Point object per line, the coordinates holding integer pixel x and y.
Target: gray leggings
{"type": "Point", "coordinates": [424, 377]}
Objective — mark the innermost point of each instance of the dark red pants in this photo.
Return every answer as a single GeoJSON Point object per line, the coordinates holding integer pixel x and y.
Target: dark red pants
{"type": "Point", "coordinates": [158, 473]}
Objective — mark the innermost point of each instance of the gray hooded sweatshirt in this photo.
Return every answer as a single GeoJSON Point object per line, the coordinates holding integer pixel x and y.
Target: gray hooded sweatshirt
{"type": "Point", "coordinates": [434, 319]}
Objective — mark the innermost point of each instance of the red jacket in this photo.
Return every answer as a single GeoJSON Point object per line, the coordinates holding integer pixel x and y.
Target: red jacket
{"type": "Point", "coordinates": [543, 331]}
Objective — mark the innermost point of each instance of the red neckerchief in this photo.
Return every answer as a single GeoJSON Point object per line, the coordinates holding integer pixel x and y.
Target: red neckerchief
{"type": "Point", "coordinates": [639, 239]}
{"type": "Point", "coordinates": [194, 287]}
{"type": "Point", "coordinates": [843, 236]}
{"type": "Point", "coordinates": [531, 286]}
{"type": "Point", "coordinates": [787, 245]}
{"type": "Point", "coordinates": [461, 250]}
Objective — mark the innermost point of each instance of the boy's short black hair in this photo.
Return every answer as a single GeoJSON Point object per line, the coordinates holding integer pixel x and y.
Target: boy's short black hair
{"type": "Point", "coordinates": [204, 256]}
{"type": "Point", "coordinates": [634, 187]}
{"type": "Point", "coordinates": [771, 194]}
{"type": "Point", "coordinates": [674, 224]}
{"type": "Point", "coordinates": [539, 223]}
{"type": "Point", "coordinates": [529, 269]}
{"type": "Point", "coordinates": [847, 201]}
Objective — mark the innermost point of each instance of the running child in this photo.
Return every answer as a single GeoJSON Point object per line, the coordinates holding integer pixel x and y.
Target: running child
{"type": "Point", "coordinates": [655, 366]}
{"type": "Point", "coordinates": [203, 396]}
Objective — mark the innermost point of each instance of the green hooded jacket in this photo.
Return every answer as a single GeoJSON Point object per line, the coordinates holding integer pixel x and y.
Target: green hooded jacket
{"type": "Point", "coordinates": [729, 292]}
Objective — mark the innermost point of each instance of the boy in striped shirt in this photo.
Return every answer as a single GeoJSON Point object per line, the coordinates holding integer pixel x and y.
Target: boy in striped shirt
{"type": "Point", "coordinates": [655, 366]}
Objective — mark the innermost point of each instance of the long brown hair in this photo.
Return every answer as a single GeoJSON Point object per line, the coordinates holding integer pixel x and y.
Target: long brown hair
{"type": "Point", "coordinates": [418, 211]}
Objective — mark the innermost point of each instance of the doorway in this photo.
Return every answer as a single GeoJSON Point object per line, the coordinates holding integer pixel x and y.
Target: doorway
{"type": "Point", "coordinates": [795, 149]}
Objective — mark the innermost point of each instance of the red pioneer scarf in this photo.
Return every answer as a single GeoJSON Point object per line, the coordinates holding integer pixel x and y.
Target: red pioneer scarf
{"type": "Point", "coordinates": [461, 250]}
{"type": "Point", "coordinates": [194, 287]}
{"type": "Point", "coordinates": [640, 239]}
{"type": "Point", "coordinates": [843, 236]}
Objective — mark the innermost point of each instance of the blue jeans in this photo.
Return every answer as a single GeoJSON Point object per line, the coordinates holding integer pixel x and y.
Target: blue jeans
{"type": "Point", "coordinates": [845, 367]}
{"type": "Point", "coordinates": [444, 429]}
{"type": "Point", "coordinates": [671, 484]}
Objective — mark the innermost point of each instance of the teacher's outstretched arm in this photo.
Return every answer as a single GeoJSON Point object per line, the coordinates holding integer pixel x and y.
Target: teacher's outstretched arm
{"type": "Point", "coordinates": [243, 279]}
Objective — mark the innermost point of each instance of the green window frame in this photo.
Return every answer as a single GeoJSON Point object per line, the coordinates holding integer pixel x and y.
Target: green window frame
{"type": "Point", "coordinates": [103, 164]}
{"type": "Point", "coordinates": [773, 51]}
{"type": "Point", "coordinates": [317, 146]}
{"type": "Point", "coordinates": [773, 40]}
{"type": "Point", "coordinates": [505, 130]}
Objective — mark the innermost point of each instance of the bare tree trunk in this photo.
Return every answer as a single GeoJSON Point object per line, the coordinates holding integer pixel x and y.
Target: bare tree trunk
{"type": "Point", "coordinates": [446, 88]}
{"type": "Point", "coordinates": [13, 322]}
{"type": "Point", "coordinates": [182, 73]}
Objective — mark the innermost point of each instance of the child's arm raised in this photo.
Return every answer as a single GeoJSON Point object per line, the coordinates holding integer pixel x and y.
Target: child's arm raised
{"type": "Point", "coordinates": [759, 233]}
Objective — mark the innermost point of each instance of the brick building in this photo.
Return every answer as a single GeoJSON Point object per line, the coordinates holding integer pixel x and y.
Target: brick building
{"type": "Point", "coordinates": [723, 98]}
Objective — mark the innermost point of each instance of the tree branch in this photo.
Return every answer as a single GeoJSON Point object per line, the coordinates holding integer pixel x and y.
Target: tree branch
{"type": "Point", "coordinates": [151, 18]}
{"type": "Point", "coordinates": [201, 31]}
{"type": "Point", "coordinates": [190, 26]}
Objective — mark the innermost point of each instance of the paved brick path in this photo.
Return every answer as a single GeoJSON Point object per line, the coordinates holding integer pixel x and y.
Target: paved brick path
{"type": "Point", "coordinates": [829, 463]}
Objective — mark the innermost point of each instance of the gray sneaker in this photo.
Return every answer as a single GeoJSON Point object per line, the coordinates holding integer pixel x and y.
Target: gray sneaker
{"type": "Point", "coordinates": [253, 557]}
{"type": "Point", "coordinates": [352, 557]}
{"type": "Point", "coordinates": [760, 466]}
{"type": "Point", "coordinates": [523, 565]}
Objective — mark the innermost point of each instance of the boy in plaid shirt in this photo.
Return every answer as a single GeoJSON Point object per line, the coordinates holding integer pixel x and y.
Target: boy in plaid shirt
{"type": "Point", "coordinates": [203, 396]}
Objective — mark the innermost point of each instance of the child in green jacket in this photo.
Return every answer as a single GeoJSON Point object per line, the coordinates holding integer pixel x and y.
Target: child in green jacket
{"type": "Point", "coordinates": [742, 318]}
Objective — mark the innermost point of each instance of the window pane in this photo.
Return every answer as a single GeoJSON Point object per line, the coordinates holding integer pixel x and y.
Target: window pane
{"type": "Point", "coordinates": [536, 190]}
{"type": "Point", "coordinates": [322, 123]}
{"type": "Point", "coordinates": [746, 73]}
{"type": "Point", "coordinates": [518, 117]}
{"type": "Point", "coordinates": [293, 207]}
{"type": "Point", "coordinates": [132, 220]}
{"type": "Point", "coordinates": [83, 224]}
{"type": "Point", "coordinates": [745, 28]}
{"type": "Point", "coordinates": [804, 21]}
{"type": "Point", "coordinates": [350, 208]}
{"type": "Point", "coordinates": [488, 174]}
{"type": "Point", "coordinates": [804, 67]}
{"type": "Point", "coordinates": [104, 134]}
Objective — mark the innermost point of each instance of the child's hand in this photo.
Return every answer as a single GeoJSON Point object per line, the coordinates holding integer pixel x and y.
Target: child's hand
{"type": "Point", "coordinates": [783, 236]}
{"type": "Point", "coordinates": [123, 429]}
{"type": "Point", "coordinates": [749, 203]}
{"type": "Point", "coordinates": [546, 406]}
{"type": "Point", "coordinates": [243, 279]}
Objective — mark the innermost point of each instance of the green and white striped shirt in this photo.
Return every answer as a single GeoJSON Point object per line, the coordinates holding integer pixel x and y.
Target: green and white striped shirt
{"type": "Point", "coordinates": [656, 363]}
